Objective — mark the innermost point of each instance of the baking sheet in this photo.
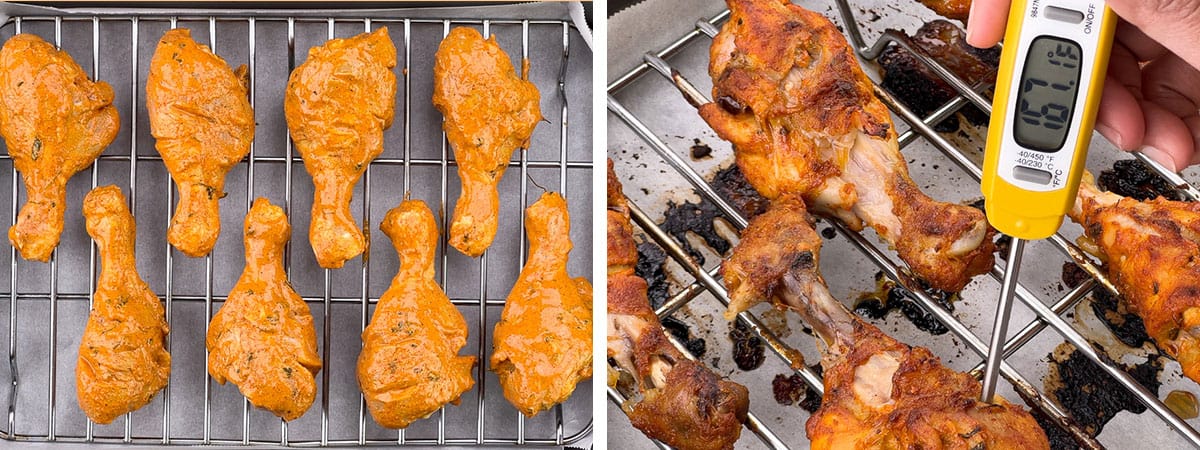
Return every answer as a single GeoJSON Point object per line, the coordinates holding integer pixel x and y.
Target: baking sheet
{"type": "Point", "coordinates": [651, 25]}
{"type": "Point", "coordinates": [122, 57]}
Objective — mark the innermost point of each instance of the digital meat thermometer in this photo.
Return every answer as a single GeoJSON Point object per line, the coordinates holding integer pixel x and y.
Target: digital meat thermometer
{"type": "Point", "coordinates": [1051, 75]}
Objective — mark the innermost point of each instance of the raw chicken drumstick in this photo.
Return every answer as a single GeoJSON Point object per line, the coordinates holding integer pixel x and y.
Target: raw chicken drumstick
{"type": "Point", "coordinates": [682, 403]}
{"type": "Point", "coordinates": [202, 124]}
{"type": "Point", "coordinates": [490, 112]}
{"type": "Point", "coordinates": [801, 114]}
{"type": "Point", "coordinates": [879, 392]}
{"type": "Point", "coordinates": [337, 105]}
{"type": "Point", "coordinates": [122, 363]}
{"type": "Point", "coordinates": [262, 339]}
{"type": "Point", "coordinates": [543, 342]}
{"type": "Point", "coordinates": [1150, 249]}
{"type": "Point", "coordinates": [56, 122]}
{"type": "Point", "coordinates": [409, 366]}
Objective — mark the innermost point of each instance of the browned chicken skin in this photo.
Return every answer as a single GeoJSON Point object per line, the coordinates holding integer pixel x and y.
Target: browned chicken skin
{"type": "Point", "coordinates": [1150, 248]}
{"type": "Point", "coordinates": [793, 100]}
{"type": "Point", "coordinates": [122, 363]}
{"type": "Point", "coordinates": [262, 339]}
{"type": "Point", "coordinates": [543, 342]}
{"type": "Point", "coordinates": [56, 122]}
{"type": "Point", "coordinates": [202, 124]}
{"type": "Point", "coordinates": [879, 392]}
{"type": "Point", "coordinates": [409, 365]}
{"type": "Point", "coordinates": [337, 105]}
{"type": "Point", "coordinates": [682, 403]}
{"type": "Point", "coordinates": [950, 9]}
{"type": "Point", "coordinates": [490, 112]}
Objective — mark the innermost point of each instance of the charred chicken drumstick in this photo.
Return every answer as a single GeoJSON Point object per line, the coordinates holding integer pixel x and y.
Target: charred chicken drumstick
{"type": "Point", "coordinates": [262, 339]}
{"type": "Point", "coordinates": [337, 105]}
{"type": "Point", "coordinates": [801, 114]}
{"type": "Point", "coordinates": [56, 122]}
{"type": "Point", "coordinates": [490, 112]}
{"type": "Point", "coordinates": [682, 403]}
{"type": "Point", "coordinates": [409, 365]}
{"type": "Point", "coordinates": [202, 124]}
{"type": "Point", "coordinates": [1150, 249]}
{"type": "Point", "coordinates": [879, 392]}
{"type": "Point", "coordinates": [543, 342]}
{"type": "Point", "coordinates": [122, 363]}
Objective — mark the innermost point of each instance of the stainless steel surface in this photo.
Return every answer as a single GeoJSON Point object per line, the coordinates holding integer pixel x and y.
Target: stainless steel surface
{"type": "Point", "coordinates": [46, 310]}
{"type": "Point", "coordinates": [645, 115]}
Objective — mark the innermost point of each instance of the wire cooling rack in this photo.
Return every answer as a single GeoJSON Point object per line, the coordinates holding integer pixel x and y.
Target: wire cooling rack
{"type": "Point", "coordinates": [47, 304]}
{"type": "Point", "coordinates": [706, 280]}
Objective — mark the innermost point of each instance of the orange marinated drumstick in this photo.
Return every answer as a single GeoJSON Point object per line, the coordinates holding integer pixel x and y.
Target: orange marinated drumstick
{"type": "Point", "coordinates": [202, 124]}
{"type": "Point", "coordinates": [337, 105]}
{"type": "Point", "coordinates": [543, 342]}
{"type": "Point", "coordinates": [489, 112]}
{"type": "Point", "coordinates": [56, 122]}
{"type": "Point", "coordinates": [262, 339]}
{"type": "Point", "coordinates": [122, 363]}
{"type": "Point", "coordinates": [409, 366]}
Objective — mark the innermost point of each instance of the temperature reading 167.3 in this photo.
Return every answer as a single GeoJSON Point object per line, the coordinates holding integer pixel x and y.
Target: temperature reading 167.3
{"type": "Point", "coordinates": [1046, 93]}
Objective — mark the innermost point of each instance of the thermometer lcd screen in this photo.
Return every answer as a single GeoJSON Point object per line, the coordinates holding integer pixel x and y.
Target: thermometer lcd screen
{"type": "Point", "coordinates": [1046, 96]}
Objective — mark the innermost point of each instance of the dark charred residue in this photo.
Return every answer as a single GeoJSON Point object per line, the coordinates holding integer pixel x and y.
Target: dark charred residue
{"type": "Point", "coordinates": [1132, 178]}
{"type": "Point", "coordinates": [731, 105]}
{"type": "Point", "coordinates": [888, 296]}
{"type": "Point", "coordinates": [700, 150]}
{"type": "Point", "coordinates": [1126, 326]}
{"type": "Point", "coordinates": [803, 261]}
{"type": "Point", "coordinates": [696, 218]}
{"type": "Point", "coordinates": [828, 233]}
{"type": "Point", "coordinates": [748, 349]}
{"type": "Point", "coordinates": [732, 185]}
{"type": "Point", "coordinates": [1059, 438]}
{"type": "Point", "coordinates": [650, 267]}
{"type": "Point", "coordinates": [792, 390]}
{"type": "Point", "coordinates": [1090, 395]}
{"type": "Point", "coordinates": [696, 346]}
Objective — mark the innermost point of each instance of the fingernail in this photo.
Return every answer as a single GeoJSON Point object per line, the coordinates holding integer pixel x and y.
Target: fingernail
{"type": "Point", "coordinates": [1111, 134]}
{"type": "Point", "coordinates": [1160, 157]}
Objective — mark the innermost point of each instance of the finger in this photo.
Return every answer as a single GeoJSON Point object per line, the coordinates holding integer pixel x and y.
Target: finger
{"type": "Point", "coordinates": [985, 25]}
{"type": "Point", "coordinates": [1173, 84]}
{"type": "Point", "coordinates": [1193, 124]}
{"type": "Point", "coordinates": [1141, 46]}
{"type": "Point", "coordinates": [1173, 23]}
{"type": "Point", "coordinates": [1120, 116]}
{"type": "Point", "coordinates": [1168, 139]}
{"type": "Point", "coordinates": [1124, 67]}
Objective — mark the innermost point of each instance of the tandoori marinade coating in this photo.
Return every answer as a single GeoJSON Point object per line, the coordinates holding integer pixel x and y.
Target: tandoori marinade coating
{"type": "Point", "coordinates": [678, 400]}
{"type": "Point", "coordinates": [542, 345]}
{"type": "Point", "coordinates": [56, 122]}
{"type": "Point", "coordinates": [122, 363]}
{"type": "Point", "coordinates": [804, 121]}
{"type": "Point", "coordinates": [490, 111]}
{"type": "Point", "coordinates": [203, 124]}
{"type": "Point", "coordinates": [262, 339]}
{"type": "Point", "coordinates": [337, 104]}
{"type": "Point", "coordinates": [879, 392]}
{"type": "Point", "coordinates": [409, 366]}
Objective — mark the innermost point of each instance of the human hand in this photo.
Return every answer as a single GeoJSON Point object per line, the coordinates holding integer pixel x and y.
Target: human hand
{"type": "Point", "coordinates": [1151, 100]}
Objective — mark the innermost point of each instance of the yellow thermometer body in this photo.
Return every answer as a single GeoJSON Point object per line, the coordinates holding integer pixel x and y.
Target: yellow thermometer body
{"type": "Point", "coordinates": [1047, 92]}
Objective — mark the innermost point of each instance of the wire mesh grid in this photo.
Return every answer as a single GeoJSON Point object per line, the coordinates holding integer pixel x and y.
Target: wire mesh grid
{"type": "Point", "coordinates": [194, 410]}
{"type": "Point", "coordinates": [918, 128]}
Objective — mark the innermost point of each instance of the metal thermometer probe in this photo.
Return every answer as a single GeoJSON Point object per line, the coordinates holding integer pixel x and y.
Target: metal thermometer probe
{"type": "Point", "coordinates": [1047, 91]}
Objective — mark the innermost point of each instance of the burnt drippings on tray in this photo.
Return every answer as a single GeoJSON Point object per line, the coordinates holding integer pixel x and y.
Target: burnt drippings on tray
{"type": "Point", "coordinates": [924, 91]}
{"type": "Point", "coordinates": [696, 346]}
{"type": "Point", "coordinates": [748, 349]}
{"type": "Point", "coordinates": [1126, 326]}
{"type": "Point", "coordinates": [791, 389]}
{"type": "Point", "coordinates": [1089, 394]}
{"type": "Point", "coordinates": [650, 267]}
{"type": "Point", "coordinates": [697, 218]}
{"type": "Point", "coordinates": [888, 296]}
{"type": "Point", "coordinates": [732, 185]}
{"type": "Point", "coordinates": [700, 150]}
{"type": "Point", "coordinates": [1132, 178]}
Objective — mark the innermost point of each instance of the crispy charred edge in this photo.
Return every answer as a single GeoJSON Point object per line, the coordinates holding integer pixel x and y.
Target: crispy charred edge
{"type": "Point", "coordinates": [780, 240]}
{"type": "Point", "coordinates": [950, 222]}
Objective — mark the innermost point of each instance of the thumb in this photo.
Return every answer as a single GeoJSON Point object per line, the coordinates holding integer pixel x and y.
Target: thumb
{"type": "Point", "coordinates": [1173, 23]}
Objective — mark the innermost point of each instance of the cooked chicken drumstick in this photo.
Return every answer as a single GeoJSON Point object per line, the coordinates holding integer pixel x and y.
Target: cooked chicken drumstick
{"type": "Point", "coordinates": [543, 342]}
{"type": "Point", "coordinates": [1150, 248]}
{"type": "Point", "coordinates": [262, 339]}
{"type": "Point", "coordinates": [793, 100]}
{"type": "Point", "coordinates": [682, 404]}
{"type": "Point", "coordinates": [490, 112]}
{"type": "Point", "coordinates": [409, 365]}
{"type": "Point", "coordinates": [879, 392]}
{"type": "Point", "coordinates": [202, 124]}
{"type": "Point", "coordinates": [56, 122]}
{"type": "Point", "coordinates": [337, 105]}
{"type": "Point", "coordinates": [950, 9]}
{"type": "Point", "coordinates": [122, 363]}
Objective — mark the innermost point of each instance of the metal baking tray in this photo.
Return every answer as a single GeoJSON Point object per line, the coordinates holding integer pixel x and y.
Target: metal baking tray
{"type": "Point", "coordinates": [46, 304]}
{"type": "Point", "coordinates": [652, 127]}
